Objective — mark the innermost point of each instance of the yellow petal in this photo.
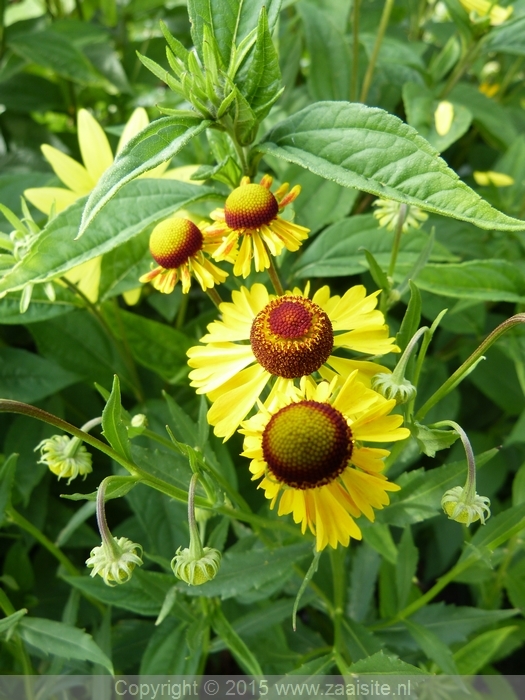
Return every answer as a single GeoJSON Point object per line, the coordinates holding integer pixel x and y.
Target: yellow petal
{"type": "Point", "coordinates": [139, 120]}
{"type": "Point", "coordinates": [72, 174]}
{"type": "Point", "coordinates": [132, 296]}
{"type": "Point", "coordinates": [87, 277]}
{"type": "Point", "coordinates": [94, 145]}
{"type": "Point", "coordinates": [43, 198]}
{"type": "Point", "coordinates": [443, 117]}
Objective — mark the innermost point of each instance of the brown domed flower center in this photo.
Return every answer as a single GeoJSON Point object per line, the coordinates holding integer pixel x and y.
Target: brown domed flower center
{"type": "Point", "coordinates": [307, 444]}
{"type": "Point", "coordinates": [291, 337]}
{"type": "Point", "coordinates": [174, 241]}
{"type": "Point", "coordinates": [250, 206]}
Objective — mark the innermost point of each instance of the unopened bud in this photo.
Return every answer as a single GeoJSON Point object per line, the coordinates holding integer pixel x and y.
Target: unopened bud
{"type": "Point", "coordinates": [196, 570]}
{"type": "Point", "coordinates": [115, 560]}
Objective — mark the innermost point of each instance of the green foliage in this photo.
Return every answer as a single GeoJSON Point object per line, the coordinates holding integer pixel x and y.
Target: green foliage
{"type": "Point", "coordinates": [253, 88]}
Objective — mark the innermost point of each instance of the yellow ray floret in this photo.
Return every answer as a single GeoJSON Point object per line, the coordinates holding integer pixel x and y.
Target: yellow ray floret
{"type": "Point", "coordinates": [306, 448]}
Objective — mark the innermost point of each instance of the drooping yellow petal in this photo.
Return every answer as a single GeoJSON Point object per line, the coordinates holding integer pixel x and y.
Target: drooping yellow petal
{"type": "Point", "coordinates": [72, 174]}
{"type": "Point", "coordinates": [443, 117]}
{"type": "Point", "coordinates": [87, 277]}
{"type": "Point", "coordinates": [139, 120]}
{"type": "Point", "coordinates": [94, 145]}
{"type": "Point", "coordinates": [43, 198]}
{"type": "Point", "coordinates": [132, 296]}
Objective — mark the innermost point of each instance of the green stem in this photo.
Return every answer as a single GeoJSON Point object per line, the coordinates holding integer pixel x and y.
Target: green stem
{"type": "Point", "coordinates": [401, 218]}
{"type": "Point", "coordinates": [355, 50]}
{"type": "Point", "coordinates": [214, 296]}
{"type": "Point", "coordinates": [509, 77]}
{"type": "Point", "coordinates": [383, 24]}
{"type": "Point", "coordinates": [470, 485]}
{"type": "Point", "coordinates": [15, 517]}
{"type": "Point", "coordinates": [181, 314]}
{"type": "Point", "coordinates": [230, 130]}
{"type": "Point", "coordinates": [468, 365]}
{"type": "Point", "coordinates": [196, 550]}
{"type": "Point", "coordinates": [274, 275]}
{"type": "Point", "coordinates": [121, 347]}
{"type": "Point", "coordinates": [463, 65]}
{"type": "Point", "coordinates": [337, 557]}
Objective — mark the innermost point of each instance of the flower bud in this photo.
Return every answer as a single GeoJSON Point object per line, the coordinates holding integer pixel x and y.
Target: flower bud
{"type": "Point", "coordinates": [196, 570]}
{"type": "Point", "coordinates": [115, 560]}
{"type": "Point", "coordinates": [65, 456]}
{"type": "Point", "coordinates": [139, 423]}
{"type": "Point", "coordinates": [462, 508]}
{"type": "Point", "coordinates": [389, 386]}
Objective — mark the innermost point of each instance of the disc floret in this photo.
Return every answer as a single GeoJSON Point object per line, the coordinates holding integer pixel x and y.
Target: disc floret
{"type": "Point", "coordinates": [177, 245]}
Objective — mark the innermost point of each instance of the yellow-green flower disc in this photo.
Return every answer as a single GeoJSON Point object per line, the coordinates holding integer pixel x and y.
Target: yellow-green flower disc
{"type": "Point", "coordinates": [307, 444]}
{"type": "Point", "coordinates": [250, 206]}
{"type": "Point", "coordinates": [174, 241]}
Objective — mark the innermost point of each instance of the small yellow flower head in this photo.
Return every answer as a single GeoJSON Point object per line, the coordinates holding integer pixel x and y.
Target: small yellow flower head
{"type": "Point", "coordinates": [115, 562]}
{"type": "Point", "coordinates": [479, 9]}
{"type": "Point", "coordinates": [178, 246]}
{"type": "Point", "coordinates": [196, 570]}
{"type": "Point", "coordinates": [388, 213]}
{"type": "Point", "coordinates": [392, 388]}
{"type": "Point", "coordinates": [66, 457]}
{"type": "Point", "coordinates": [250, 217]}
{"type": "Point", "coordinates": [462, 508]}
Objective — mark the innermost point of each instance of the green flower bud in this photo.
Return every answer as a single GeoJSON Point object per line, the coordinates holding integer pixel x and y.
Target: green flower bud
{"type": "Point", "coordinates": [463, 507]}
{"type": "Point", "coordinates": [196, 570]}
{"type": "Point", "coordinates": [392, 387]}
{"type": "Point", "coordinates": [115, 560]}
{"type": "Point", "coordinates": [65, 456]}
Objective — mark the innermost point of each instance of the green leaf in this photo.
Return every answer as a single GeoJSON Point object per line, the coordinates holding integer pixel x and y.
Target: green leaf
{"type": "Point", "coordinates": [433, 647]}
{"type": "Point", "coordinates": [40, 308]}
{"type": "Point", "coordinates": [57, 53]}
{"type": "Point", "coordinates": [238, 648]}
{"type": "Point", "coordinates": [143, 594]}
{"type": "Point", "coordinates": [420, 498]}
{"type": "Point", "coordinates": [340, 249]}
{"type": "Point", "coordinates": [365, 568]}
{"type": "Point", "coordinates": [379, 537]}
{"type": "Point", "coordinates": [430, 440]}
{"type": "Point", "coordinates": [7, 474]}
{"type": "Point", "coordinates": [167, 653]}
{"type": "Point", "coordinates": [263, 82]}
{"type": "Point", "coordinates": [113, 427]}
{"type": "Point", "coordinates": [153, 345]}
{"type": "Point", "coordinates": [378, 274]}
{"type": "Point", "coordinates": [118, 486]}
{"type": "Point", "coordinates": [244, 571]}
{"type": "Point", "coordinates": [367, 148]}
{"type": "Point", "coordinates": [411, 319]}
{"type": "Point", "coordinates": [27, 377]}
{"type": "Point", "coordinates": [385, 664]}
{"type": "Point", "coordinates": [361, 643]}
{"type": "Point", "coordinates": [329, 70]}
{"type": "Point", "coordinates": [62, 640]}
{"type": "Point", "coordinates": [157, 143]}
{"type": "Point", "coordinates": [406, 566]}
{"type": "Point", "coordinates": [483, 280]}
{"type": "Point", "coordinates": [138, 205]}
{"type": "Point", "coordinates": [480, 651]}
{"type": "Point", "coordinates": [498, 530]}
{"type": "Point", "coordinates": [9, 622]}
{"type": "Point", "coordinates": [509, 38]}
{"type": "Point", "coordinates": [230, 21]}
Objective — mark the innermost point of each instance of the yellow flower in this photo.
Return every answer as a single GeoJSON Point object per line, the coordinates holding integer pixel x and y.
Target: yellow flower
{"type": "Point", "coordinates": [307, 448]}
{"type": "Point", "coordinates": [80, 179]}
{"type": "Point", "coordinates": [290, 336]}
{"type": "Point", "coordinates": [484, 8]}
{"type": "Point", "coordinates": [177, 246]}
{"type": "Point", "coordinates": [492, 178]}
{"type": "Point", "coordinates": [251, 213]}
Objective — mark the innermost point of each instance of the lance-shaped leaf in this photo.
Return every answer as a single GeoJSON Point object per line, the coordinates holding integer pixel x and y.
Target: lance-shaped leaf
{"type": "Point", "coordinates": [157, 143]}
{"type": "Point", "coordinates": [140, 204]}
{"type": "Point", "coordinates": [371, 150]}
{"type": "Point", "coordinates": [113, 427]}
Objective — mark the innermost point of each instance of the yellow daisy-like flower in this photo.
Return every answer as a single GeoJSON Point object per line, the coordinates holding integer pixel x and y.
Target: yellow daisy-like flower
{"type": "Point", "coordinates": [178, 246]}
{"type": "Point", "coordinates": [308, 450]}
{"type": "Point", "coordinates": [289, 336]}
{"type": "Point", "coordinates": [485, 8]}
{"type": "Point", "coordinates": [251, 213]}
